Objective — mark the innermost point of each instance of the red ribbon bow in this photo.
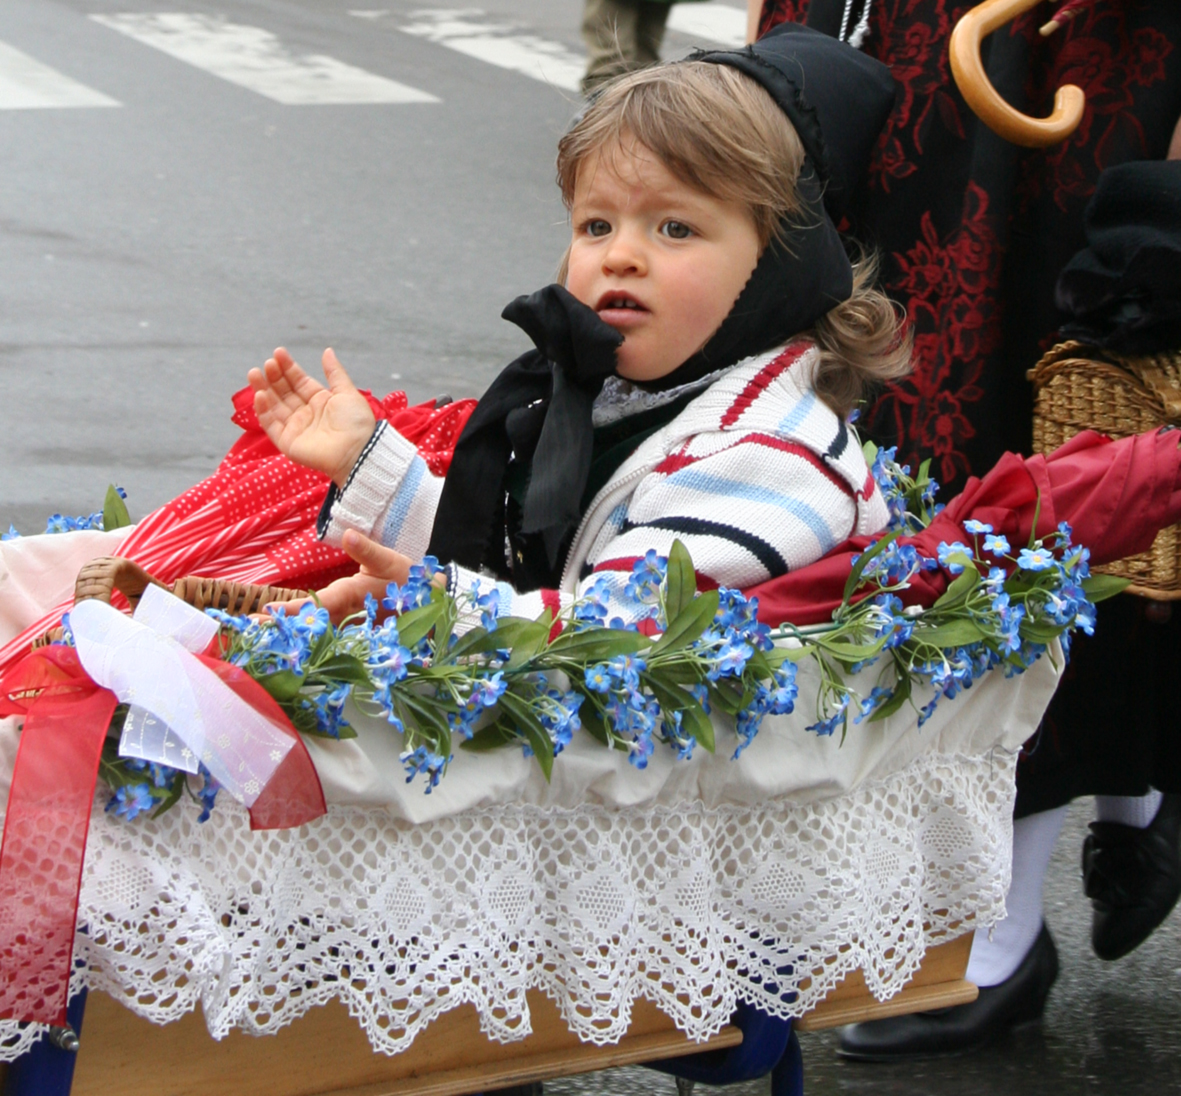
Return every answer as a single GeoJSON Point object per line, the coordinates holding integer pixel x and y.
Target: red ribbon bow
{"type": "Point", "coordinates": [66, 720]}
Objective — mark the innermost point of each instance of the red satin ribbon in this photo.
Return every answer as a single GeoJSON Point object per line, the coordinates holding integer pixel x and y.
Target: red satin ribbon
{"type": "Point", "coordinates": [48, 816]}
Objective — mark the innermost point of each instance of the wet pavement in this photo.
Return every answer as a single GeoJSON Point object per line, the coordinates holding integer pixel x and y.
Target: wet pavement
{"type": "Point", "coordinates": [1110, 1029]}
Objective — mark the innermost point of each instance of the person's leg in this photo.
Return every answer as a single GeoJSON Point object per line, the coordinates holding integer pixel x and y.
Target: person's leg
{"type": "Point", "coordinates": [650, 23]}
{"type": "Point", "coordinates": [609, 30]}
{"type": "Point", "coordinates": [1128, 810]}
{"type": "Point", "coordinates": [1131, 868]}
{"type": "Point", "coordinates": [998, 952]}
{"type": "Point", "coordinates": [1014, 965]}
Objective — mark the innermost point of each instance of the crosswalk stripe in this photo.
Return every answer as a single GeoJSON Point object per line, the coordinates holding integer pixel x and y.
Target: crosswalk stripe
{"type": "Point", "coordinates": [27, 84]}
{"type": "Point", "coordinates": [254, 58]}
{"type": "Point", "coordinates": [467, 32]}
{"type": "Point", "coordinates": [712, 21]}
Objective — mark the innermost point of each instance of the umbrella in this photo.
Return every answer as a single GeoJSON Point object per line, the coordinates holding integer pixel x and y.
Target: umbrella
{"type": "Point", "coordinates": [1116, 496]}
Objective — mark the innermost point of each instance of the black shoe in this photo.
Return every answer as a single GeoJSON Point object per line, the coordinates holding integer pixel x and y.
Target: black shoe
{"type": "Point", "coordinates": [1133, 878]}
{"type": "Point", "coordinates": [963, 1028]}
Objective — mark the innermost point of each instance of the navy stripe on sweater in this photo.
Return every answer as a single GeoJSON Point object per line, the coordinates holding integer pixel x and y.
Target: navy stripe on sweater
{"type": "Point", "coordinates": [764, 552]}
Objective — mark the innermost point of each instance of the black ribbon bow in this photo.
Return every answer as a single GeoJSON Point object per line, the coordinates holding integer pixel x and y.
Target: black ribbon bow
{"type": "Point", "coordinates": [542, 402]}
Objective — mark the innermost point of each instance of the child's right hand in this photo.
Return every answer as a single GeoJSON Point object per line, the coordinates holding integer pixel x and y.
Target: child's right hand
{"type": "Point", "coordinates": [379, 567]}
{"type": "Point", "coordinates": [321, 428]}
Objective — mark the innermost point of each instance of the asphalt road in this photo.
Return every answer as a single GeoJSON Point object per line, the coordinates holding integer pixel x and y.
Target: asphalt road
{"type": "Point", "coordinates": [154, 250]}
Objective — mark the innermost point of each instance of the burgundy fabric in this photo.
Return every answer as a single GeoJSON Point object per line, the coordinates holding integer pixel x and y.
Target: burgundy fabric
{"type": "Point", "coordinates": [1115, 495]}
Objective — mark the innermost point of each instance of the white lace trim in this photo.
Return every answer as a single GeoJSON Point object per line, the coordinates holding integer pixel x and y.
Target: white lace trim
{"type": "Point", "coordinates": [620, 399]}
{"type": "Point", "coordinates": [688, 907]}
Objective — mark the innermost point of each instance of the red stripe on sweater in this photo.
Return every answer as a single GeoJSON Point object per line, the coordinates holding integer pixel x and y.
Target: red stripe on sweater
{"type": "Point", "coordinates": [622, 563]}
{"type": "Point", "coordinates": [867, 488]}
{"type": "Point", "coordinates": [756, 385]}
{"type": "Point", "coordinates": [770, 441]}
{"type": "Point", "coordinates": [551, 600]}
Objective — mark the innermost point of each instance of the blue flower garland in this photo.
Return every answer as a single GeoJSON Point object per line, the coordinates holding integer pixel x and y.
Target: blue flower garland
{"type": "Point", "coordinates": [513, 681]}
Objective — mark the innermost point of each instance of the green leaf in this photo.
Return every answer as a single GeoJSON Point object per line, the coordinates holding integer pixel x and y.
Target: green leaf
{"type": "Point", "coordinates": [924, 472]}
{"type": "Point", "coordinates": [115, 515]}
{"type": "Point", "coordinates": [1040, 631]}
{"type": "Point", "coordinates": [1037, 513]}
{"type": "Point", "coordinates": [725, 697]}
{"type": "Point", "coordinates": [593, 722]}
{"type": "Point", "coordinates": [598, 644]}
{"type": "Point", "coordinates": [1101, 587]}
{"type": "Point", "coordinates": [429, 717]}
{"type": "Point", "coordinates": [680, 581]}
{"type": "Point", "coordinates": [530, 726]}
{"type": "Point", "coordinates": [697, 723]}
{"type": "Point", "coordinates": [341, 668]}
{"type": "Point", "coordinates": [530, 644]}
{"type": "Point", "coordinates": [869, 451]}
{"type": "Point", "coordinates": [689, 624]}
{"type": "Point", "coordinates": [867, 557]}
{"type": "Point", "coordinates": [900, 697]}
{"type": "Point", "coordinates": [852, 652]}
{"type": "Point", "coordinates": [510, 632]}
{"type": "Point", "coordinates": [415, 625]}
{"type": "Point", "coordinates": [492, 737]}
{"type": "Point", "coordinates": [170, 800]}
{"type": "Point", "coordinates": [282, 684]}
{"type": "Point", "coordinates": [953, 633]}
{"type": "Point", "coordinates": [961, 586]}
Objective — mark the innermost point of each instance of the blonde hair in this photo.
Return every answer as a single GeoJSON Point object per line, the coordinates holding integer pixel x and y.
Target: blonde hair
{"type": "Point", "coordinates": [718, 131]}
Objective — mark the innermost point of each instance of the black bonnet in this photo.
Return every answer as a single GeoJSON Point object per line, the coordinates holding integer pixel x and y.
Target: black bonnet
{"type": "Point", "coordinates": [837, 98]}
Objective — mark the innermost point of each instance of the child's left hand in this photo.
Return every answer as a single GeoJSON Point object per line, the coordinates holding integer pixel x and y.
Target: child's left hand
{"type": "Point", "coordinates": [379, 567]}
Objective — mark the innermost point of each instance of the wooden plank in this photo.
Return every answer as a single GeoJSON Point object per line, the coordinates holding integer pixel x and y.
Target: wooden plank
{"type": "Point", "coordinates": [938, 983]}
{"type": "Point", "coordinates": [326, 1052]}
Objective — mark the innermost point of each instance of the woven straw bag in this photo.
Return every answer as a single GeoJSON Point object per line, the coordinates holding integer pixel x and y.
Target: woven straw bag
{"type": "Point", "coordinates": [1078, 387]}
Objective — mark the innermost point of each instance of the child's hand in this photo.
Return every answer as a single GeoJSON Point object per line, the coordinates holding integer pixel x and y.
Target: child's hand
{"type": "Point", "coordinates": [321, 428]}
{"type": "Point", "coordinates": [379, 567]}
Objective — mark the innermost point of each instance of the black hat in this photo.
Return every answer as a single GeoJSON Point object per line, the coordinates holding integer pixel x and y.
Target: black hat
{"type": "Point", "coordinates": [837, 98]}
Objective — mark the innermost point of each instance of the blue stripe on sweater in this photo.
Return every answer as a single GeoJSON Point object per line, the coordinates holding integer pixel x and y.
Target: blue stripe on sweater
{"type": "Point", "coordinates": [791, 421]}
{"type": "Point", "coordinates": [707, 484]}
{"type": "Point", "coordinates": [403, 500]}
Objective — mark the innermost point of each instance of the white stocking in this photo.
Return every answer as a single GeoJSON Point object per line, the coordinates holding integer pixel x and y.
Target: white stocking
{"type": "Point", "coordinates": [1131, 810]}
{"type": "Point", "coordinates": [994, 960]}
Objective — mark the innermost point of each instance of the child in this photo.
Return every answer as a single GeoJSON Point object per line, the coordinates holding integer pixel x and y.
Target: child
{"type": "Point", "coordinates": [693, 373]}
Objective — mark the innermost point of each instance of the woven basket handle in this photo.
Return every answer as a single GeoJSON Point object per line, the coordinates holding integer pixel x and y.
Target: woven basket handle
{"type": "Point", "coordinates": [101, 577]}
{"type": "Point", "coordinates": [1164, 390]}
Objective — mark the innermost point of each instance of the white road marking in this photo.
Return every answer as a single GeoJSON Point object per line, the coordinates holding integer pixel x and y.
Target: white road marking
{"type": "Point", "coordinates": [254, 58]}
{"type": "Point", "coordinates": [498, 44]}
{"type": "Point", "coordinates": [369, 13]}
{"type": "Point", "coordinates": [27, 84]}
{"type": "Point", "coordinates": [712, 21]}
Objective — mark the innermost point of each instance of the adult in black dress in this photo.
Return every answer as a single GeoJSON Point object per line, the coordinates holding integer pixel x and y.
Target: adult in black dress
{"type": "Point", "coordinates": [973, 232]}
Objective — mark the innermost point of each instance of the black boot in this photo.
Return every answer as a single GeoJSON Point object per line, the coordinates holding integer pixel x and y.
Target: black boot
{"type": "Point", "coordinates": [1133, 878]}
{"type": "Point", "coordinates": [963, 1028]}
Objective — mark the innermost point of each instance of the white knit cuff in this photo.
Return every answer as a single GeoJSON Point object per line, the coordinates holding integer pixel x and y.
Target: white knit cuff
{"type": "Point", "coordinates": [374, 481]}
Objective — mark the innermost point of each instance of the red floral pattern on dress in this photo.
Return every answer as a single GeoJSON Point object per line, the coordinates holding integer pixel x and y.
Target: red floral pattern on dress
{"type": "Point", "coordinates": [944, 255]}
{"type": "Point", "coordinates": [949, 288]}
{"type": "Point", "coordinates": [1108, 59]}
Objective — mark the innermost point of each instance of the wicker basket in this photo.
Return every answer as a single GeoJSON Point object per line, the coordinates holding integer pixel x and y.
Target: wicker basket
{"type": "Point", "coordinates": [1078, 387]}
{"type": "Point", "coordinates": [101, 577]}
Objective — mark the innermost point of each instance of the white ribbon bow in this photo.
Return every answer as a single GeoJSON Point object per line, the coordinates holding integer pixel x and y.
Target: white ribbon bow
{"type": "Point", "coordinates": [181, 713]}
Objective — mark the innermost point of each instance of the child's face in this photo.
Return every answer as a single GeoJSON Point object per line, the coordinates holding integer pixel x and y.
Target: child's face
{"type": "Point", "coordinates": [660, 262]}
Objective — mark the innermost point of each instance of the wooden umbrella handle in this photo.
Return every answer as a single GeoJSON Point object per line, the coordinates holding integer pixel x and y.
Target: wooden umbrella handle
{"type": "Point", "coordinates": [982, 97]}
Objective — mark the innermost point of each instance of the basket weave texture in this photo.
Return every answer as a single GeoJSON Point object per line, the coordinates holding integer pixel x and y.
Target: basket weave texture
{"type": "Point", "coordinates": [101, 577]}
{"type": "Point", "coordinates": [1078, 387]}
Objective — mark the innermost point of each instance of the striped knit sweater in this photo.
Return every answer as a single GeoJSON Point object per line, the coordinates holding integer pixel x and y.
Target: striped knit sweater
{"type": "Point", "coordinates": [757, 477]}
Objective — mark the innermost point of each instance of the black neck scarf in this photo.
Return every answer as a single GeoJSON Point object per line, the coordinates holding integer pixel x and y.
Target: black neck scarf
{"type": "Point", "coordinates": [541, 402]}
{"type": "Point", "coordinates": [539, 410]}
